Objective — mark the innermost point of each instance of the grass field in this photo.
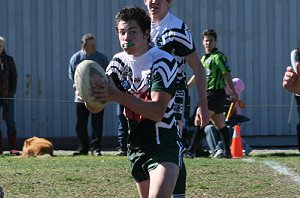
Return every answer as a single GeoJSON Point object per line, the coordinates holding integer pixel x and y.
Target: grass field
{"type": "Point", "coordinates": [274, 174]}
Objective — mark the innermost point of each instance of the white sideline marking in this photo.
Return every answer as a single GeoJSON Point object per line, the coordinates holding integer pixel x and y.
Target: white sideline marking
{"type": "Point", "coordinates": [250, 160]}
{"type": "Point", "coordinates": [279, 168]}
{"type": "Point", "coordinates": [283, 170]}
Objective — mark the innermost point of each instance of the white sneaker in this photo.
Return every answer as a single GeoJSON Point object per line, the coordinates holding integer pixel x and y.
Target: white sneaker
{"type": "Point", "coordinates": [219, 154]}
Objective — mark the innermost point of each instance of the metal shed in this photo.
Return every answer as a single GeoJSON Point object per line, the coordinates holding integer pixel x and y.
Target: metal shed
{"type": "Point", "coordinates": [257, 36]}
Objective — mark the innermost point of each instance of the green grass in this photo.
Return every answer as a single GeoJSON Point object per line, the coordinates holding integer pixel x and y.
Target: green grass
{"type": "Point", "coordinates": [109, 176]}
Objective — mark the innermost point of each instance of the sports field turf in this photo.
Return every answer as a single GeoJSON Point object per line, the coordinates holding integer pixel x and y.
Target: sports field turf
{"type": "Point", "coordinates": [263, 174]}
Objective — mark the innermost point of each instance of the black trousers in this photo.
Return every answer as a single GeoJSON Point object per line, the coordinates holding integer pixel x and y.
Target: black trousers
{"type": "Point", "coordinates": [9, 118]}
{"type": "Point", "coordinates": [122, 129]}
{"type": "Point", "coordinates": [82, 128]}
{"type": "Point", "coordinates": [297, 98]}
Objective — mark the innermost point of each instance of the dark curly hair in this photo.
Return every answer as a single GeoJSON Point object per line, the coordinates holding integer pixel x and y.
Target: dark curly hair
{"type": "Point", "coordinates": [134, 13]}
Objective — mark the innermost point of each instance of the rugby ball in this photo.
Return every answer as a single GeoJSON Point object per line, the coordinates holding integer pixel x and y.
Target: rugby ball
{"type": "Point", "coordinates": [86, 73]}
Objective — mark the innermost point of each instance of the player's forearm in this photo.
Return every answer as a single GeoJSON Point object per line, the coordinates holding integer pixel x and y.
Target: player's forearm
{"type": "Point", "coordinates": [200, 80]}
{"type": "Point", "coordinates": [200, 77]}
{"type": "Point", "coordinates": [147, 108]}
{"type": "Point", "coordinates": [191, 82]}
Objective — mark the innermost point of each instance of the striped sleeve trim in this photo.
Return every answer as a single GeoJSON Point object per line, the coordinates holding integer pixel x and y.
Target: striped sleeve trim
{"type": "Point", "coordinates": [167, 69]}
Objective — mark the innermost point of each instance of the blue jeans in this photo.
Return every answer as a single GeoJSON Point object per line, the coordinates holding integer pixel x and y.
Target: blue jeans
{"type": "Point", "coordinates": [212, 138]}
{"type": "Point", "coordinates": [214, 141]}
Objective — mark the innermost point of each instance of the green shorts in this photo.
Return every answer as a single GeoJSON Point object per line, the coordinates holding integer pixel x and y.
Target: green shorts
{"type": "Point", "coordinates": [145, 160]}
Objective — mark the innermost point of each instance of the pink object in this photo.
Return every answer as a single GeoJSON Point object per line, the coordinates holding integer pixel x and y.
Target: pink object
{"type": "Point", "coordinates": [239, 87]}
{"type": "Point", "coordinates": [14, 152]}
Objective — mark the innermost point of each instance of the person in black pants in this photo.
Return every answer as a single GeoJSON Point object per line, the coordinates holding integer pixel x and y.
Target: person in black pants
{"type": "Point", "coordinates": [82, 132]}
{"type": "Point", "coordinates": [297, 97]}
{"type": "Point", "coordinates": [8, 87]}
{"type": "Point", "coordinates": [295, 61]}
{"type": "Point", "coordinates": [122, 132]}
{"type": "Point", "coordinates": [87, 52]}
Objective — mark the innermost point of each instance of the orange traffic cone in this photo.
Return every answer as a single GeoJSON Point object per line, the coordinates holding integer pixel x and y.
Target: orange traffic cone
{"type": "Point", "coordinates": [236, 144]}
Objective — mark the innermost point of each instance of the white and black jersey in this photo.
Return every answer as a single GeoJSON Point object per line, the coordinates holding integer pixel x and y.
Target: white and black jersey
{"type": "Point", "coordinates": [155, 70]}
{"type": "Point", "coordinates": [173, 36]}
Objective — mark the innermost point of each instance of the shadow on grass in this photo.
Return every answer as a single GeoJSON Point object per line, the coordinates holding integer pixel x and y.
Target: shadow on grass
{"type": "Point", "coordinates": [277, 155]}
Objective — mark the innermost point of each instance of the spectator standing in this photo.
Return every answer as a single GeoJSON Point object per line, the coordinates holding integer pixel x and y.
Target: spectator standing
{"type": "Point", "coordinates": [88, 52]}
{"type": "Point", "coordinates": [8, 87]}
{"type": "Point", "coordinates": [291, 82]}
{"type": "Point", "coordinates": [295, 61]}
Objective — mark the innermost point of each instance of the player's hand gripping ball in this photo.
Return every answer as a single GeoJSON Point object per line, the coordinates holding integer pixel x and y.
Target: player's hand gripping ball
{"type": "Point", "coordinates": [86, 74]}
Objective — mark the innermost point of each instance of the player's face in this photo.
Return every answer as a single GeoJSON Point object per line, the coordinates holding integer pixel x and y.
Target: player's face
{"type": "Point", "coordinates": [209, 43]}
{"type": "Point", "coordinates": [132, 39]}
{"type": "Point", "coordinates": [90, 47]}
{"type": "Point", "coordinates": [157, 9]}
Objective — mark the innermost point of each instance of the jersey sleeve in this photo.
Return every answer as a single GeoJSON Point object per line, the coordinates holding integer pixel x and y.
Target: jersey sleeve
{"type": "Point", "coordinates": [113, 70]}
{"type": "Point", "coordinates": [179, 41]}
{"type": "Point", "coordinates": [71, 68]}
{"type": "Point", "coordinates": [164, 76]}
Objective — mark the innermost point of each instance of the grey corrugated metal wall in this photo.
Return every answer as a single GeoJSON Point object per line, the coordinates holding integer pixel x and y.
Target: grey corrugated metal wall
{"type": "Point", "coordinates": [41, 35]}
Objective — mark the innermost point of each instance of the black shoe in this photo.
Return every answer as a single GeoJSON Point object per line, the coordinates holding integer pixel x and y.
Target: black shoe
{"type": "Point", "coordinates": [202, 153]}
{"type": "Point", "coordinates": [81, 152]}
{"type": "Point", "coordinates": [227, 155]}
{"type": "Point", "coordinates": [189, 155]}
{"type": "Point", "coordinates": [96, 152]}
